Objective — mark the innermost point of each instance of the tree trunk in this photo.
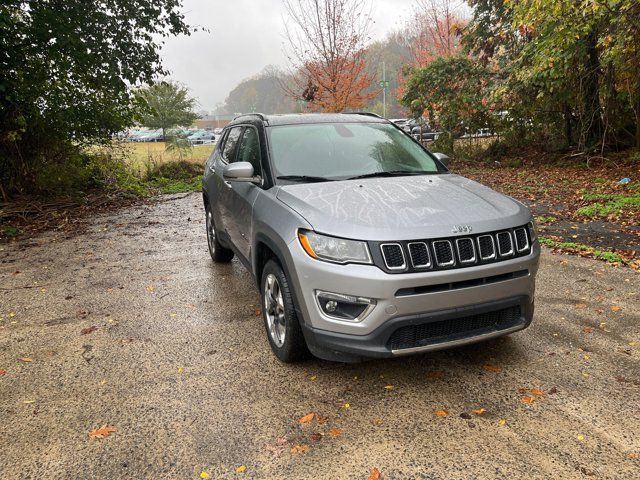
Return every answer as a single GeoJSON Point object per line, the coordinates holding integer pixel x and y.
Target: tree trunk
{"type": "Point", "coordinates": [592, 123]}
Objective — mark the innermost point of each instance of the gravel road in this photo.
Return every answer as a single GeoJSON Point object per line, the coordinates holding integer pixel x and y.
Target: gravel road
{"type": "Point", "coordinates": [179, 364]}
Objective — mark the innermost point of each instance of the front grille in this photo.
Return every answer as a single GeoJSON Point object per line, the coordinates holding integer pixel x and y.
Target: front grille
{"type": "Point", "coordinates": [419, 253]}
{"type": "Point", "coordinates": [429, 333]}
{"type": "Point", "coordinates": [466, 251]}
{"type": "Point", "coordinates": [453, 252]}
{"type": "Point", "coordinates": [393, 256]}
{"type": "Point", "coordinates": [444, 253]}
{"type": "Point", "coordinates": [505, 244]}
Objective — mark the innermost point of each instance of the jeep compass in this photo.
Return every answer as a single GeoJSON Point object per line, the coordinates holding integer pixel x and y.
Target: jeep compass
{"type": "Point", "coordinates": [360, 240]}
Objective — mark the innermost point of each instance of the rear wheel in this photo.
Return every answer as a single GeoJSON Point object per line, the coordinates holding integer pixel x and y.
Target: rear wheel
{"type": "Point", "coordinates": [219, 254]}
{"type": "Point", "coordinates": [280, 319]}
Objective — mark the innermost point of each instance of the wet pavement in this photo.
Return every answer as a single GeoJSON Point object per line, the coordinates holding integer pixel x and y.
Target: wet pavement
{"type": "Point", "coordinates": [180, 365]}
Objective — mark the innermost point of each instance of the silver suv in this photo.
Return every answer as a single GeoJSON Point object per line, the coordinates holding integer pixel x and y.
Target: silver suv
{"type": "Point", "coordinates": [361, 242]}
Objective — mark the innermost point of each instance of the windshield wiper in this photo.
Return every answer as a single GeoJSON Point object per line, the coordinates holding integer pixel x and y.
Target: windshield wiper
{"type": "Point", "coordinates": [304, 178]}
{"type": "Point", "coordinates": [392, 173]}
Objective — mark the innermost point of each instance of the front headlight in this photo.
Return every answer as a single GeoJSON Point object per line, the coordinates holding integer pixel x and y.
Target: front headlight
{"type": "Point", "coordinates": [333, 249]}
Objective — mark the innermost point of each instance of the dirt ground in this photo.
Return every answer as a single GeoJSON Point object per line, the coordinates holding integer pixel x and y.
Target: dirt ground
{"type": "Point", "coordinates": [179, 364]}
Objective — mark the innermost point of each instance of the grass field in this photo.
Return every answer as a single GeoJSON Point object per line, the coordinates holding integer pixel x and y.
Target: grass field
{"type": "Point", "coordinates": [142, 156]}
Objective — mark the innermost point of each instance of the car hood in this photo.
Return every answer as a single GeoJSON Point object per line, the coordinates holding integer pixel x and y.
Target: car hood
{"type": "Point", "coordinates": [402, 208]}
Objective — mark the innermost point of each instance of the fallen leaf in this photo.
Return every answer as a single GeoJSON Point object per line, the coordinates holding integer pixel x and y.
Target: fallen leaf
{"type": "Point", "coordinates": [279, 447]}
{"type": "Point", "coordinates": [441, 413]}
{"type": "Point", "coordinates": [335, 432]}
{"type": "Point", "coordinates": [315, 437]}
{"type": "Point", "coordinates": [2, 372]}
{"type": "Point", "coordinates": [528, 400]}
{"type": "Point", "coordinates": [241, 468]}
{"type": "Point", "coordinates": [321, 420]}
{"type": "Point", "coordinates": [258, 312]}
{"type": "Point", "coordinates": [616, 308]}
{"type": "Point", "coordinates": [375, 474]}
{"type": "Point", "coordinates": [435, 375]}
{"type": "Point", "coordinates": [465, 415]}
{"type": "Point", "coordinates": [537, 392]}
{"type": "Point", "coordinates": [587, 329]}
{"type": "Point", "coordinates": [88, 330]}
{"type": "Point", "coordinates": [580, 306]}
{"type": "Point", "coordinates": [389, 387]}
{"type": "Point", "coordinates": [26, 359]}
{"type": "Point", "coordinates": [553, 391]}
{"type": "Point", "coordinates": [479, 411]}
{"type": "Point", "coordinates": [180, 370]}
{"type": "Point", "coordinates": [150, 288]}
{"type": "Point", "coordinates": [102, 432]}
{"type": "Point", "coordinates": [502, 422]}
{"type": "Point", "coordinates": [580, 437]}
{"type": "Point", "coordinates": [313, 378]}
{"type": "Point", "coordinates": [633, 455]}
{"type": "Point", "coordinates": [346, 406]}
{"type": "Point", "coordinates": [204, 474]}
{"type": "Point", "coordinates": [307, 418]}
{"type": "Point", "coordinates": [376, 422]}
{"type": "Point", "coordinates": [296, 449]}
{"type": "Point", "coordinates": [29, 402]}
{"type": "Point", "coordinates": [492, 368]}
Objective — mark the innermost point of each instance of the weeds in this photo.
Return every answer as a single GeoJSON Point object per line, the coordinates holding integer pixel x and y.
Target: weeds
{"type": "Point", "coordinates": [605, 255]}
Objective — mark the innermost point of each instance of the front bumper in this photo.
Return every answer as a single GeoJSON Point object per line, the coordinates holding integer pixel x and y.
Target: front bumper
{"type": "Point", "coordinates": [378, 344]}
{"type": "Point", "coordinates": [514, 285]}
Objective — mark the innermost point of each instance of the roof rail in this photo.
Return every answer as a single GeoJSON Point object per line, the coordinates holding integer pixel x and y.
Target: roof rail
{"type": "Point", "coordinates": [259, 115]}
{"type": "Point", "coordinates": [368, 114]}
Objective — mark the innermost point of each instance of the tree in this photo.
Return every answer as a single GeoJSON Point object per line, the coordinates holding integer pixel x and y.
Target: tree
{"type": "Point", "coordinates": [166, 105]}
{"type": "Point", "coordinates": [327, 40]}
{"type": "Point", "coordinates": [66, 71]}
{"type": "Point", "coordinates": [451, 92]}
{"type": "Point", "coordinates": [260, 93]}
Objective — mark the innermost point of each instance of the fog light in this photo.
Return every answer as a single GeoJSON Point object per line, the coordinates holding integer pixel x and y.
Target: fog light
{"type": "Point", "coordinates": [344, 307]}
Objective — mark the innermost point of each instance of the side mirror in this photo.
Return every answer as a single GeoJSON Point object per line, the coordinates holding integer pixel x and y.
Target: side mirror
{"type": "Point", "coordinates": [240, 172]}
{"type": "Point", "coordinates": [444, 159]}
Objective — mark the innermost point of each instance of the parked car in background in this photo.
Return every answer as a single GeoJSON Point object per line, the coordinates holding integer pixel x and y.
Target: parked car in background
{"type": "Point", "coordinates": [360, 240]}
{"type": "Point", "coordinates": [217, 131]}
{"type": "Point", "coordinates": [152, 136]}
{"type": "Point", "coordinates": [201, 137]}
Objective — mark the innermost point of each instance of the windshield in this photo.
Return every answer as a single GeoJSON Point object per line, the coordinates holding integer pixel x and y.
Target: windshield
{"type": "Point", "coordinates": [339, 151]}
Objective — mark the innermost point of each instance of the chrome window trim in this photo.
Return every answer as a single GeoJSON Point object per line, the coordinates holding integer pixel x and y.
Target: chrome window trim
{"type": "Point", "coordinates": [526, 240]}
{"type": "Point", "coordinates": [493, 244]}
{"type": "Point", "coordinates": [384, 257]}
{"type": "Point", "coordinates": [511, 250]}
{"type": "Point", "coordinates": [426, 265]}
{"type": "Point", "coordinates": [473, 247]}
{"type": "Point", "coordinates": [435, 253]}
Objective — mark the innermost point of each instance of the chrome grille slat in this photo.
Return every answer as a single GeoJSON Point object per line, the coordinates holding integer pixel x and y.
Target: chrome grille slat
{"type": "Point", "coordinates": [505, 244]}
{"type": "Point", "coordinates": [466, 250]}
{"type": "Point", "coordinates": [419, 254]}
{"type": "Point", "coordinates": [393, 256]}
{"type": "Point", "coordinates": [486, 247]}
{"type": "Point", "coordinates": [443, 251]}
{"type": "Point", "coordinates": [522, 239]}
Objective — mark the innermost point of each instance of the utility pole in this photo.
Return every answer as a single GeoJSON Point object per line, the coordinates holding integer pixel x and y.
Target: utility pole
{"type": "Point", "coordinates": [384, 84]}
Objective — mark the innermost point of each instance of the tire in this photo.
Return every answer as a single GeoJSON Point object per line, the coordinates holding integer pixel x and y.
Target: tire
{"type": "Point", "coordinates": [279, 315]}
{"type": "Point", "coordinates": [219, 254]}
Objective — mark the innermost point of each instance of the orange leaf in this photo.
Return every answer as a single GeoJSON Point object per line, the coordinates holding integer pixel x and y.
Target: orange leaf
{"type": "Point", "coordinates": [479, 411]}
{"type": "Point", "coordinates": [528, 400]}
{"type": "Point", "coordinates": [88, 330]}
{"type": "Point", "coordinates": [375, 474]}
{"type": "Point", "coordinates": [335, 432]}
{"type": "Point", "coordinates": [537, 392]}
{"type": "Point", "coordinates": [241, 468]}
{"type": "Point", "coordinates": [587, 329]}
{"type": "Point", "coordinates": [435, 375]}
{"type": "Point", "coordinates": [616, 308]}
{"type": "Point", "coordinates": [299, 449]}
{"type": "Point", "coordinates": [581, 305]}
{"type": "Point", "coordinates": [3, 371]}
{"type": "Point", "coordinates": [102, 432]}
{"type": "Point", "coordinates": [492, 368]}
{"type": "Point", "coordinates": [307, 418]}
{"type": "Point", "coordinates": [26, 359]}
{"type": "Point", "coordinates": [441, 413]}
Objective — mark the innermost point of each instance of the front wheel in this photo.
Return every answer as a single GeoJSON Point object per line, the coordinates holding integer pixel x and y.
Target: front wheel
{"type": "Point", "coordinates": [280, 319]}
{"type": "Point", "coordinates": [219, 254]}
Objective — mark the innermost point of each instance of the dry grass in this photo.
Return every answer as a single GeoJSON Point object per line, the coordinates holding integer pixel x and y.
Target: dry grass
{"type": "Point", "coordinates": [140, 156]}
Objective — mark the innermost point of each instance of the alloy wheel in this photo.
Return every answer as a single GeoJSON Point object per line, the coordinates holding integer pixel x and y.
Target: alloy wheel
{"type": "Point", "coordinates": [274, 310]}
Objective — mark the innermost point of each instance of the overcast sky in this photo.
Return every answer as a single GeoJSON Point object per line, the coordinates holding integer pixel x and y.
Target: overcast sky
{"type": "Point", "coordinates": [244, 36]}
